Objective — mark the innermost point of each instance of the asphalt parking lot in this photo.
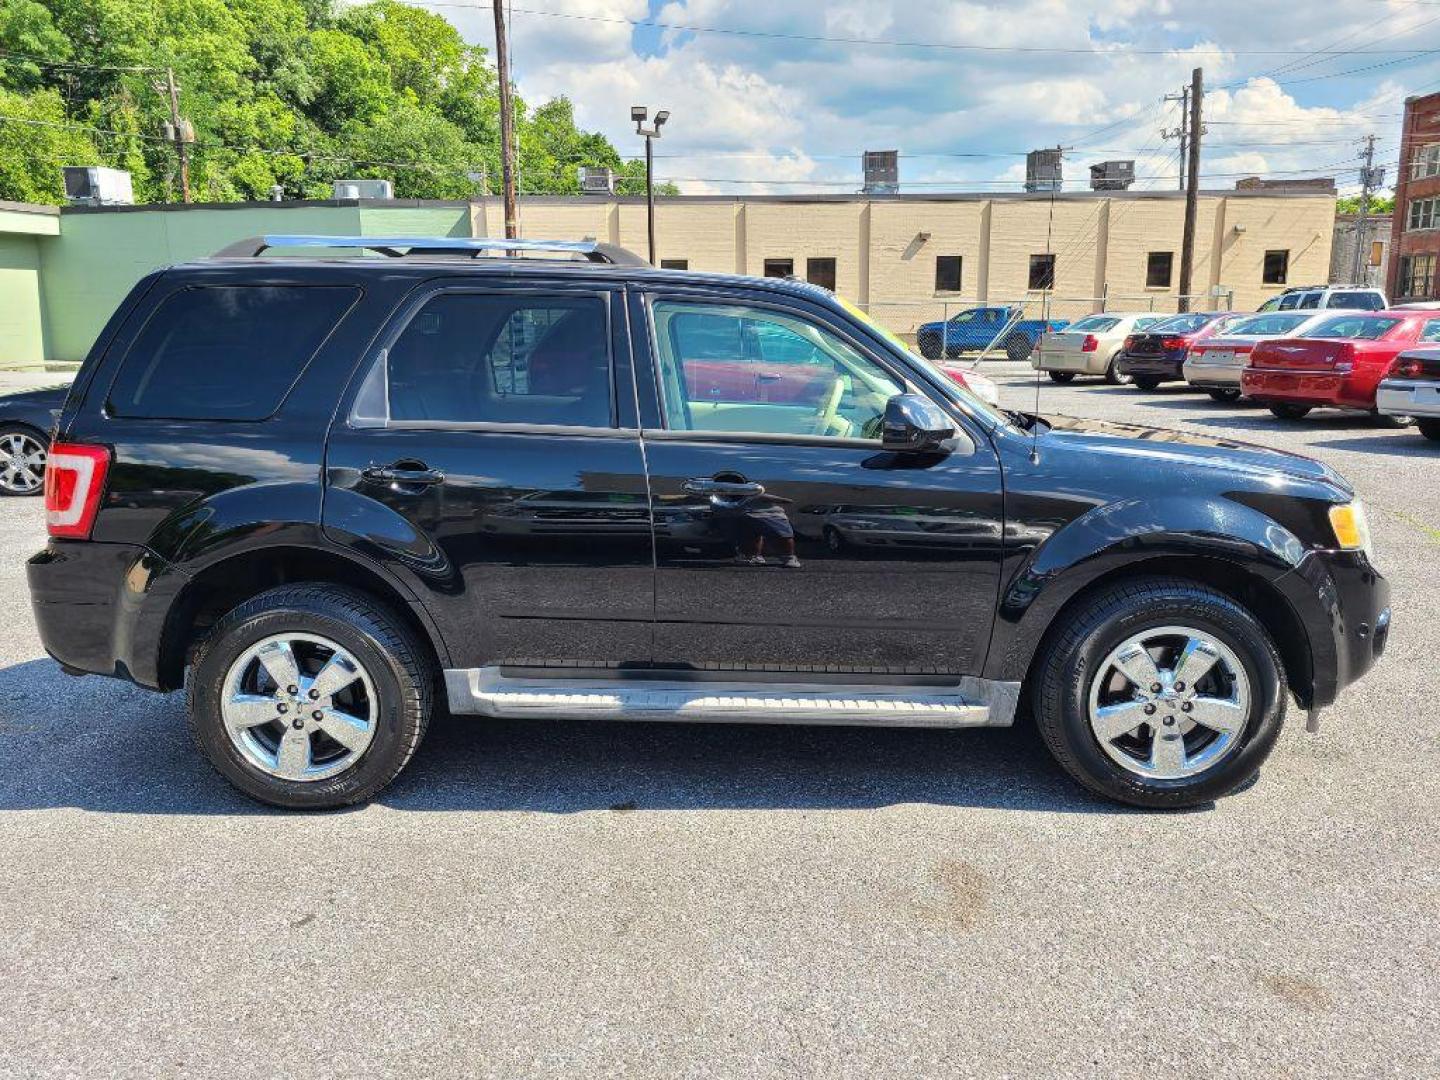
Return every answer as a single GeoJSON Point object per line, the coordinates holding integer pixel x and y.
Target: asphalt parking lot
{"type": "Point", "coordinates": [665, 900]}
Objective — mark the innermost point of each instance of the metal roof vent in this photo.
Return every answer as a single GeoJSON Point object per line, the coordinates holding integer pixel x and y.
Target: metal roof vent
{"type": "Point", "coordinates": [1042, 170]}
{"type": "Point", "coordinates": [882, 172]}
{"type": "Point", "coordinates": [597, 181]}
{"type": "Point", "coordinates": [92, 185]}
{"type": "Point", "coordinates": [363, 189]}
{"type": "Point", "coordinates": [1112, 175]}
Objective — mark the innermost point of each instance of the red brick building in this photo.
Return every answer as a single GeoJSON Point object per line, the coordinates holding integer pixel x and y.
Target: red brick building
{"type": "Point", "coordinates": [1414, 272]}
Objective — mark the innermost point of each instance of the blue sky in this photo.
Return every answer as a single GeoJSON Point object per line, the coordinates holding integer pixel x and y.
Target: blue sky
{"type": "Point", "coordinates": [769, 108]}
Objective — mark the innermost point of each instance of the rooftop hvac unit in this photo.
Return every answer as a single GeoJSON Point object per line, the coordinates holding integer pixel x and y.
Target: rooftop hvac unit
{"type": "Point", "coordinates": [882, 172]}
{"type": "Point", "coordinates": [91, 185]}
{"type": "Point", "coordinates": [1042, 170]}
{"type": "Point", "coordinates": [1112, 175]}
{"type": "Point", "coordinates": [596, 181]}
{"type": "Point", "coordinates": [364, 189]}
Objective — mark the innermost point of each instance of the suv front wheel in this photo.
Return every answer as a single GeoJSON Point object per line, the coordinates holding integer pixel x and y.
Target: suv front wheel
{"type": "Point", "coordinates": [310, 696]}
{"type": "Point", "coordinates": [1160, 693]}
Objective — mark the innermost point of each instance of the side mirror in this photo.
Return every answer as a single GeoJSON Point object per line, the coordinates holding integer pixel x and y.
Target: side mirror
{"type": "Point", "coordinates": [914, 425]}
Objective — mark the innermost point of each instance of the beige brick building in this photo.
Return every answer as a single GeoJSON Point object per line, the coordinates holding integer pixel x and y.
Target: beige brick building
{"type": "Point", "coordinates": [911, 258]}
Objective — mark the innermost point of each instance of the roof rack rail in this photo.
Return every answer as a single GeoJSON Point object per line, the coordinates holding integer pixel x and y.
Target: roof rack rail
{"type": "Point", "coordinates": [400, 246]}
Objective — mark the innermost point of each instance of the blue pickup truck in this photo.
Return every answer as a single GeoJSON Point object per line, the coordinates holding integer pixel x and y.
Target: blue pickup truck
{"type": "Point", "coordinates": [976, 328]}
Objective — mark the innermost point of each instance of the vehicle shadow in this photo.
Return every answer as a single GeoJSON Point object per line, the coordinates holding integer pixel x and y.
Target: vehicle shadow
{"type": "Point", "coordinates": [104, 746]}
{"type": "Point", "coordinates": [1408, 443]}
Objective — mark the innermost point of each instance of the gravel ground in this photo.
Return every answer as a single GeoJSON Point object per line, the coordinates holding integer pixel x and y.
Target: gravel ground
{"type": "Point", "coordinates": [662, 900]}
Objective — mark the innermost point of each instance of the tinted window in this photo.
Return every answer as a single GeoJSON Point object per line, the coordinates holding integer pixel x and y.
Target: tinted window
{"type": "Point", "coordinates": [1352, 327]}
{"type": "Point", "coordinates": [1309, 300]}
{"type": "Point", "coordinates": [947, 273]}
{"type": "Point", "coordinates": [1158, 268]}
{"type": "Point", "coordinates": [821, 272]}
{"type": "Point", "coordinates": [473, 358]}
{"type": "Point", "coordinates": [1146, 321]}
{"type": "Point", "coordinates": [1182, 324]}
{"type": "Point", "coordinates": [779, 267]}
{"type": "Point", "coordinates": [1276, 268]}
{"type": "Point", "coordinates": [674, 264]}
{"type": "Point", "coordinates": [1362, 301]}
{"type": "Point", "coordinates": [1093, 324]}
{"type": "Point", "coordinates": [1042, 272]}
{"type": "Point", "coordinates": [1289, 301]}
{"type": "Point", "coordinates": [225, 352]}
{"type": "Point", "coordinates": [735, 368]}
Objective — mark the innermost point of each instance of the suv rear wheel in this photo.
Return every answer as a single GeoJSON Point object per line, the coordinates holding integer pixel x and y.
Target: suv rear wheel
{"type": "Point", "coordinates": [310, 696]}
{"type": "Point", "coordinates": [1160, 693]}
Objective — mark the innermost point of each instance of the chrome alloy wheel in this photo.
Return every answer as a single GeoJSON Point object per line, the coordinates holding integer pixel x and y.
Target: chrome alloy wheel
{"type": "Point", "coordinates": [299, 707]}
{"type": "Point", "coordinates": [22, 463]}
{"type": "Point", "coordinates": [1169, 703]}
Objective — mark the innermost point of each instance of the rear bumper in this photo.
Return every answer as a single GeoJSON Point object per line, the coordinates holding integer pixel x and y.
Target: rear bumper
{"type": "Point", "coordinates": [1344, 604]}
{"type": "Point", "coordinates": [1304, 388]}
{"type": "Point", "coordinates": [101, 608]}
{"type": "Point", "coordinates": [1217, 376]}
{"type": "Point", "coordinates": [1091, 363]}
{"type": "Point", "coordinates": [1166, 367]}
{"type": "Point", "coordinates": [1403, 397]}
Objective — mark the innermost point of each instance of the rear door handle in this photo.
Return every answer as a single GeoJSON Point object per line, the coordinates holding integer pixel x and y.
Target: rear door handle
{"type": "Point", "coordinates": [703, 485]}
{"type": "Point", "coordinates": [394, 474]}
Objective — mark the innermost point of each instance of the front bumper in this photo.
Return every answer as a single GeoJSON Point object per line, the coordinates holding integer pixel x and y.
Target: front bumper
{"type": "Point", "coordinates": [1166, 366]}
{"type": "Point", "coordinates": [1405, 397]}
{"type": "Point", "coordinates": [1344, 604]}
{"type": "Point", "coordinates": [101, 608]}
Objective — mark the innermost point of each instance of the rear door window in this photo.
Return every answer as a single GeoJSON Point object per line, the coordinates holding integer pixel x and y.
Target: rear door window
{"type": "Point", "coordinates": [481, 358]}
{"type": "Point", "coordinates": [1361, 300]}
{"type": "Point", "coordinates": [1309, 300]}
{"type": "Point", "coordinates": [225, 352]}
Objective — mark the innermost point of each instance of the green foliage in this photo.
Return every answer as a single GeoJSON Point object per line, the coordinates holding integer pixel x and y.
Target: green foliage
{"type": "Point", "coordinates": [1379, 204]}
{"type": "Point", "coordinates": [290, 92]}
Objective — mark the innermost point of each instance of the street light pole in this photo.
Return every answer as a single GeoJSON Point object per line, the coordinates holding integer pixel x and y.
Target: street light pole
{"type": "Point", "coordinates": [639, 113]}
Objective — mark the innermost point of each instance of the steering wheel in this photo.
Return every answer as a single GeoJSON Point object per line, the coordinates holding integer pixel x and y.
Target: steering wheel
{"type": "Point", "coordinates": [828, 414]}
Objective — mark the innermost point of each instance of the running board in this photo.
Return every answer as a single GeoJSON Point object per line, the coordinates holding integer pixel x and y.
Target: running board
{"type": "Point", "coordinates": [970, 702]}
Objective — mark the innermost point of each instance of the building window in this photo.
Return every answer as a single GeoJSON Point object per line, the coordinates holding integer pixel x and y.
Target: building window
{"type": "Point", "coordinates": [1158, 267]}
{"type": "Point", "coordinates": [1425, 162]}
{"type": "Point", "coordinates": [674, 264]}
{"type": "Point", "coordinates": [947, 273]}
{"type": "Point", "coordinates": [1417, 276]}
{"type": "Point", "coordinates": [1423, 214]}
{"type": "Point", "coordinates": [779, 267]}
{"type": "Point", "coordinates": [1277, 267]}
{"type": "Point", "coordinates": [1042, 272]}
{"type": "Point", "coordinates": [821, 272]}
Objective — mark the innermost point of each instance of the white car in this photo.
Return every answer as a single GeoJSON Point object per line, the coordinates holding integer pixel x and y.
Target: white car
{"type": "Point", "coordinates": [1214, 364]}
{"type": "Point", "coordinates": [1318, 297]}
{"type": "Point", "coordinates": [1090, 345]}
{"type": "Point", "coordinates": [1412, 388]}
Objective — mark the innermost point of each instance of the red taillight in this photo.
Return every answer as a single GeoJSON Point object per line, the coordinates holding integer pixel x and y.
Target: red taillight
{"type": "Point", "coordinates": [1406, 367]}
{"type": "Point", "coordinates": [1129, 343]}
{"type": "Point", "coordinates": [1172, 344]}
{"type": "Point", "coordinates": [74, 480]}
{"type": "Point", "coordinates": [1091, 344]}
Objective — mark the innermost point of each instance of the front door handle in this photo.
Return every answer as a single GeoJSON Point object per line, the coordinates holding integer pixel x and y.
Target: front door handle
{"type": "Point", "coordinates": [419, 476]}
{"type": "Point", "coordinates": [769, 376]}
{"type": "Point", "coordinates": [703, 485]}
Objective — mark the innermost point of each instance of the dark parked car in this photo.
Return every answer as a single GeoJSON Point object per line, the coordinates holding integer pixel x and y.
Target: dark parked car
{"type": "Point", "coordinates": [25, 420]}
{"type": "Point", "coordinates": [1156, 354]}
{"type": "Point", "coordinates": [322, 493]}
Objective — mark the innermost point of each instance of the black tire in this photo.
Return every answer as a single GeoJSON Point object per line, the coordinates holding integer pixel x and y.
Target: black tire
{"type": "Point", "coordinates": [833, 540]}
{"type": "Point", "coordinates": [1062, 677]}
{"type": "Point", "coordinates": [1224, 396]}
{"type": "Point", "coordinates": [1146, 382]}
{"type": "Point", "coordinates": [1290, 412]}
{"type": "Point", "coordinates": [400, 668]}
{"type": "Point", "coordinates": [1114, 376]}
{"type": "Point", "coordinates": [1062, 376]}
{"type": "Point", "coordinates": [1017, 347]}
{"type": "Point", "coordinates": [1430, 429]}
{"type": "Point", "coordinates": [1387, 421]}
{"type": "Point", "coordinates": [17, 485]}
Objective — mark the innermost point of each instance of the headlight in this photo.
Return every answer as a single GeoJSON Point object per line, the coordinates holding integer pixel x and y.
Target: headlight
{"type": "Point", "coordinates": [1352, 528]}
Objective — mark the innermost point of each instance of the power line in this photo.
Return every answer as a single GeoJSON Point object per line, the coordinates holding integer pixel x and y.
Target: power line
{"type": "Point", "coordinates": [7, 56]}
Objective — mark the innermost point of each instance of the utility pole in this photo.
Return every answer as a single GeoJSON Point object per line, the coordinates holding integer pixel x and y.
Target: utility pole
{"type": "Point", "coordinates": [1183, 131]}
{"type": "Point", "coordinates": [1370, 179]}
{"type": "Point", "coordinates": [179, 130]}
{"type": "Point", "coordinates": [1192, 187]}
{"type": "Point", "coordinates": [507, 123]}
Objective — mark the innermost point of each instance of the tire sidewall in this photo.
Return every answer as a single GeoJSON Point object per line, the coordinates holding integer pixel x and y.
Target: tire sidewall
{"type": "Point", "coordinates": [394, 715]}
{"type": "Point", "coordinates": [1204, 613]}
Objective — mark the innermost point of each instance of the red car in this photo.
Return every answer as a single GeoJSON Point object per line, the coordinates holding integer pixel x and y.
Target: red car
{"type": "Point", "coordinates": [1338, 362]}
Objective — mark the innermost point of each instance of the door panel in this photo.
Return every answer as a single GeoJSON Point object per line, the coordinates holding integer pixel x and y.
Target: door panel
{"type": "Point", "coordinates": [528, 542]}
{"type": "Point", "coordinates": [786, 538]}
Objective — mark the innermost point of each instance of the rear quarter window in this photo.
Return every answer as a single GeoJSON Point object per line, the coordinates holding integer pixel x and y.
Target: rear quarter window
{"type": "Point", "coordinates": [225, 352]}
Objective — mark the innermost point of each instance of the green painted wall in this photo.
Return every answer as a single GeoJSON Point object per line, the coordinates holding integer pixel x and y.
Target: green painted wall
{"type": "Point", "coordinates": [22, 327]}
{"type": "Point", "coordinates": [98, 257]}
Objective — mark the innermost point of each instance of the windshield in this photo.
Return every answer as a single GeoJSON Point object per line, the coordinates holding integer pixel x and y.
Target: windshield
{"type": "Point", "coordinates": [1093, 323]}
{"type": "Point", "coordinates": [948, 385]}
{"type": "Point", "coordinates": [1273, 325]}
{"type": "Point", "coordinates": [1352, 328]}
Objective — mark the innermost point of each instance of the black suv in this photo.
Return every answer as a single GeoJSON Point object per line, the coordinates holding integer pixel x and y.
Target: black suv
{"type": "Point", "coordinates": [330, 493]}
